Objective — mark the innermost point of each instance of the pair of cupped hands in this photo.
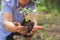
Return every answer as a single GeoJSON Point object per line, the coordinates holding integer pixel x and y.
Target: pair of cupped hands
{"type": "Point", "coordinates": [22, 29]}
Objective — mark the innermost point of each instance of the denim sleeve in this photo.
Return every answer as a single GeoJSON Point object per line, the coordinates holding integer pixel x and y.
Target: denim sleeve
{"type": "Point", "coordinates": [6, 6]}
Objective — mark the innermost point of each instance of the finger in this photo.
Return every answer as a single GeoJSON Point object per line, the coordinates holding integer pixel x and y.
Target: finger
{"type": "Point", "coordinates": [23, 32]}
{"type": "Point", "coordinates": [38, 27]}
{"type": "Point", "coordinates": [16, 24]}
{"type": "Point", "coordinates": [20, 28]}
{"type": "Point", "coordinates": [34, 29]}
{"type": "Point", "coordinates": [32, 32]}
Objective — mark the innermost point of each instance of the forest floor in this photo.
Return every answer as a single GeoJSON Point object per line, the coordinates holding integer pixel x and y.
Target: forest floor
{"type": "Point", "coordinates": [51, 33]}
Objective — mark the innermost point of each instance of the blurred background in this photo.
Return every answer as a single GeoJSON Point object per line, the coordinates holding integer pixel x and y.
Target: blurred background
{"type": "Point", "coordinates": [48, 17]}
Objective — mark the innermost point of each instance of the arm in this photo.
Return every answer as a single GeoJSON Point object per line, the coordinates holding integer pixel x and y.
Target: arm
{"type": "Point", "coordinates": [13, 26]}
{"type": "Point", "coordinates": [7, 16]}
{"type": "Point", "coordinates": [8, 22]}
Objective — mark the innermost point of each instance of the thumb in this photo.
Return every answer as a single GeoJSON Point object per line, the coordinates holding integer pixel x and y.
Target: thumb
{"type": "Point", "coordinates": [16, 24]}
{"type": "Point", "coordinates": [39, 27]}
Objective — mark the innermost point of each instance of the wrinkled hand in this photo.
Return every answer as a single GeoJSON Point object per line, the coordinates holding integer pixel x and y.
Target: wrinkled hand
{"type": "Point", "coordinates": [20, 29]}
{"type": "Point", "coordinates": [34, 30]}
{"type": "Point", "coordinates": [23, 30]}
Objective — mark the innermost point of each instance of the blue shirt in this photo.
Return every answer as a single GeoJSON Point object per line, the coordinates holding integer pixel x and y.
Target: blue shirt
{"type": "Point", "coordinates": [10, 6]}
